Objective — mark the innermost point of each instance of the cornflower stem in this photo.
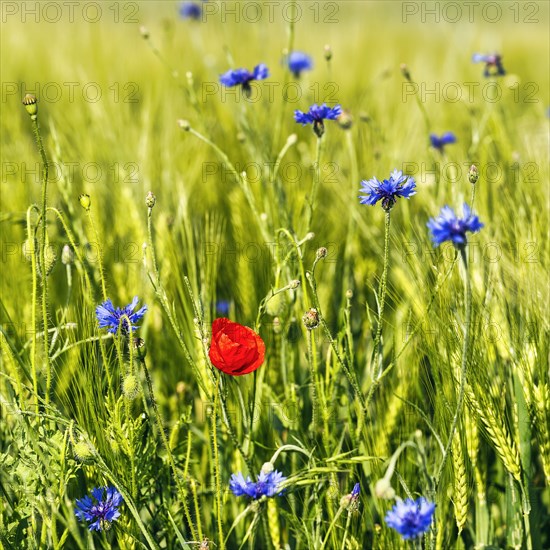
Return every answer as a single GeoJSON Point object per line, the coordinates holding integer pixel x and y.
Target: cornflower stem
{"type": "Point", "coordinates": [331, 527]}
{"type": "Point", "coordinates": [40, 145]}
{"type": "Point", "coordinates": [390, 367]}
{"type": "Point", "coordinates": [473, 195]}
{"type": "Point", "coordinates": [463, 368]}
{"type": "Point", "coordinates": [31, 243]}
{"type": "Point", "coordinates": [290, 47]}
{"type": "Point", "coordinates": [181, 488]}
{"type": "Point", "coordinates": [316, 180]}
{"type": "Point", "coordinates": [346, 528]}
{"type": "Point", "coordinates": [378, 352]}
{"type": "Point", "coordinates": [119, 345]}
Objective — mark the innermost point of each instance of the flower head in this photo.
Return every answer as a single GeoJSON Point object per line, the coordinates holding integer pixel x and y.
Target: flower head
{"type": "Point", "coordinates": [243, 77]}
{"type": "Point", "coordinates": [298, 62]}
{"type": "Point", "coordinates": [388, 190]}
{"type": "Point", "coordinates": [316, 115]}
{"type": "Point", "coordinates": [112, 318]}
{"type": "Point", "coordinates": [440, 142]}
{"type": "Point", "coordinates": [448, 227]}
{"type": "Point", "coordinates": [411, 518]}
{"type": "Point", "coordinates": [493, 64]}
{"type": "Point", "coordinates": [98, 511]}
{"type": "Point", "coordinates": [235, 349]}
{"type": "Point", "coordinates": [191, 10]}
{"type": "Point", "coordinates": [267, 485]}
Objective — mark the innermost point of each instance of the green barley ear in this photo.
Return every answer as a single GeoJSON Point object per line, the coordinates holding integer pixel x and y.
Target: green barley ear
{"type": "Point", "coordinates": [273, 523]}
{"type": "Point", "coordinates": [460, 492]}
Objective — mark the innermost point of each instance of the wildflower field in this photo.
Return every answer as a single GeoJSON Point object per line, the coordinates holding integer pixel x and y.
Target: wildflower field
{"type": "Point", "coordinates": [274, 275]}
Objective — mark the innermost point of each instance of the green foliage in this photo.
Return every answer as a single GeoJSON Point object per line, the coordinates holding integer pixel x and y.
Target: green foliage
{"type": "Point", "coordinates": [331, 405]}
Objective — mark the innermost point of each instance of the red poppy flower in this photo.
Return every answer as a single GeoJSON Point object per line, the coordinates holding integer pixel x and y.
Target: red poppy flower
{"type": "Point", "coordinates": [235, 349]}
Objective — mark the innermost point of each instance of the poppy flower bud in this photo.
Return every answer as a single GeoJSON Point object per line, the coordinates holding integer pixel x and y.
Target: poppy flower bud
{"type": "Point", "coordinates": [234, 348]}
{"type": "Point", "coordinates": [67, 255]}
{"type": "Point", "coordinates": [267, 468]}
{"type": "Point", "coordinates": [83, 452]}
{"type": "Point", "coordinates": [130, 387]}
{"type": "Point", "coordinates": [30, 103]}
{"type": "Point", "coordinates": [349, 294]}
{"type": "Point", "coordinates": [184, 125]}
{"type": "Point", "coordinates": [473, 174]}
{"type": "Point", "coordinates": [50, 258]}
{"type": "Point", "coordinates": [311, 319]}
{"type": "Point", "coordinates": [29, 248]}
{"type": "Point", "coordinates": [322, 253]}
{"type": "Point", "coordinates": [328, 52]}
{"type": "Point", "coordinates": [345, 120]}
{"type": "Point", "coordinates": [275, 305]}
{"type": "Point", "coordinates": [383, 489]}
{"type": "Point", "coordinates": [150, 199]}
{"type": "Point", "coordinates": [85, 201]}
{"type": "Point", "coordinates": [294, 284]}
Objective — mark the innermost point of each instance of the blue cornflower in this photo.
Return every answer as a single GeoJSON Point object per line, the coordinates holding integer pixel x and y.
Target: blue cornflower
{"type": "Point", "coordinates": [110, 317]}
{"type": "Point", "coordinates": [411, 518]}
{"type": "Point", "coordinates": [387, 190]}
{"type": "Point", "coordinates": [440, 142]}
{"type": "Point", "coordinates": [298, 62]}
{"type": "Point", "coordinates": [191, 10]}
{"type": "Point", "coordinates": [267, 485]}
{"type": "Point", "coordinates": [222, 307]}
{"type": "Point", "coordinates": [493, 64]}
{"type": "Point", "coordinates": [244, 77]}
{"type": "Point", "coordinates": [101, 513]}
{"type": "Point", "coordinates": [355, 492]}
{"type": "Point", "coordinates": [447, 227]}
{"type": "Point", "coordinates": [316, 115]}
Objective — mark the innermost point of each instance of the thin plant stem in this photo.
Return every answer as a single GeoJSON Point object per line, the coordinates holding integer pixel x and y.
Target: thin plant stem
{"type": "Point", "coordinates": [312, 360]}
{"type": "Point", "coordinates": [316, 180]}
{"type": "Point", "coordinates": [391, 366]}
{"type": "Point", "coordinates": [40, 145]}
{"type": "Point", "coordinates": [378, 353]}
{"type": "Point", "coordinates": [32, 244]}
{"type": "Point", "coordinates": [217, 480]}
{"type": "Point", "coordinates": [331, 527]}
{"type": "Point", "coordinates": [99, 253]}
{"type": "Point", "coordinates": [181, 488]}
{"type": "Point", "coordinates": [346, 528]}
{"type": "Point", "coordinates": [463, 368]}
{"type": "Point", "coordinates": [347, 370]}
{"type": "Point", "coordinates": [161, 295]}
